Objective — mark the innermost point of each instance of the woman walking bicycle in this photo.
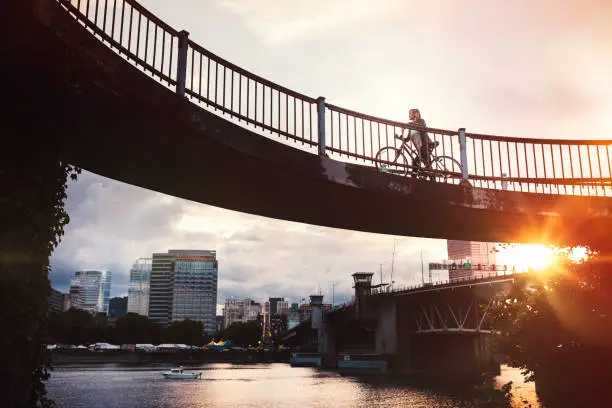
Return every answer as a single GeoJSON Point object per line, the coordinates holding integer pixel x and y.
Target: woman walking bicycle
{"type": "Point", "coordinates": [417, 159]}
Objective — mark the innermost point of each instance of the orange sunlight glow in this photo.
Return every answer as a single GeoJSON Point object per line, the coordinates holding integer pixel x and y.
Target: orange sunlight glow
{"type": "Point", "coordinates": [537, 257]}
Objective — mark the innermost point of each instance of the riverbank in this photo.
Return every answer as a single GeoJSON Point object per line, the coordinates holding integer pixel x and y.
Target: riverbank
{"type": "Point", "coordinates": [61, 358]}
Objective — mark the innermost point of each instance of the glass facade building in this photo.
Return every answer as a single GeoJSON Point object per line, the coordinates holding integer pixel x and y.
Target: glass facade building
{"type": "Point", "coordinates": [184, 286]}
{"type": "Point", "coordinates": [194, 292]}
{"type": "Point", "coordinates": [138, 292]}
{"type": "Point", "coordinates": [90, 290]}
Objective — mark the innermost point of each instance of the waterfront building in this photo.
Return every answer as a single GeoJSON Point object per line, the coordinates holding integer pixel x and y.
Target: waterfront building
{"type": "Point", "coordinates": [90, 290]}
{"type": "Point", "coordinates": [138, 292]}
{"type": "Point", "coordinates": [183, 286]}
{"type": "Point", "coordinates": [240, 311]}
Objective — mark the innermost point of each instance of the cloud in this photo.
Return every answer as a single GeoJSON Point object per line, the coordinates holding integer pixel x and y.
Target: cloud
{"type": "Point", "coordinates": [523, 68]}
{"type": "Point", "coordinates": [113, 223]}
{"type": "Point", "coordinates": [279, 22]}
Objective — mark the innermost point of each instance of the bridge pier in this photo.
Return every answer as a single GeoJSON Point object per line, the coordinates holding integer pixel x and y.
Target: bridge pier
{"type": "Point", "coordinates": [326, 342]}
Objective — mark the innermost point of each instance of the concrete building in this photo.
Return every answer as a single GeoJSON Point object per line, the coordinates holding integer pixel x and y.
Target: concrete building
{"type": "Point", "coordinates": [283, 307]}
{"type": "Point", "coordinates": [184, 286]}
{"type": "Point", "coordinates": [477, 252]}
{"type": "Point", "coordinates": [240, 311]}
{"type": "Point", "coordinates": [90, 290]}
{"type": "Point", "coordinates": [59, 301]}
{"type": "Point", "coordinates": [138, 292]}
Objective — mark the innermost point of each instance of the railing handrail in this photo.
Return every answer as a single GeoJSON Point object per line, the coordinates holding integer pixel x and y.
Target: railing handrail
{"type": "Point", "coordinates": [533, 140]}
{"type": "Point", "coordinates": [249, 74]}
{"type": "Point", "coordinates": [389, 122]}
{"type": "Point", "coordinates": [491, 159]}
{"type": "Point", "coordinates": [145, 12]}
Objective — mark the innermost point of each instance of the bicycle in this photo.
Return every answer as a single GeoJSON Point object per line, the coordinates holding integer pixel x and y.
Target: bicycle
{"type": "Point", "coordinates": [405, 159]}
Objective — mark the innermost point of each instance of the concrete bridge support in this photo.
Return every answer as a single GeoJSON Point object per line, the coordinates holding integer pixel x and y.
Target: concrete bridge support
{"type": "Point", "coordinates": [437, 349]}
{"type": "Point", "coordinates": [325, 333]}
{"type": "Point", "coordinates": [386, 329]}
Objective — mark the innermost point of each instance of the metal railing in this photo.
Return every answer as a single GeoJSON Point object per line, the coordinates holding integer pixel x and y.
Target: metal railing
{"type": "Point", "coordinates": [484, 276]}
{"type": "Point", "coordinates": [551, 166]}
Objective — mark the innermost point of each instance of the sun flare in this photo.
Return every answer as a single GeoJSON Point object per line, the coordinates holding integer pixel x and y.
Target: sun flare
{"type": "Point", "coordinates": [536, 257]}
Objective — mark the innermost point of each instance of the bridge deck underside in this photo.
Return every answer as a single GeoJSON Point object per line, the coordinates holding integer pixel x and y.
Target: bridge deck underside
{"type": "Point", "coordinates": [115, 121]}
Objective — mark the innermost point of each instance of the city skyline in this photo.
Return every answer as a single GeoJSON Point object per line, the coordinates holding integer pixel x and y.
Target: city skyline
{"type": "Point", "coordinates": [488, 87]}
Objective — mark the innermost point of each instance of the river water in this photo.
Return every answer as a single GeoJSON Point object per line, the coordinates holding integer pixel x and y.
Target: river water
{"type": "Point", "coordinates": [242, 386]}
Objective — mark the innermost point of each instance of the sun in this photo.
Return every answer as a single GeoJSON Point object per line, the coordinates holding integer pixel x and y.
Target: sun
{"type": "Point", "coordinates": [527, 257]}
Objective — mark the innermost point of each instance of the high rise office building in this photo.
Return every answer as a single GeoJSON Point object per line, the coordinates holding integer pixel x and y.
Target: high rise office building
{"type": "Point", "coordinates": [184, 286]}
{"type": "Point", "coordinates": [138, 292]}
{"type": "Point", "coordinates": [478, 252]}
{"type": "Point", "coordinates": [90, 290]}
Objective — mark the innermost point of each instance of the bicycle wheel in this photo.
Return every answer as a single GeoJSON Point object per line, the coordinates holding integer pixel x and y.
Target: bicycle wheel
{"type": "Point", "coordinates": [446, 167]}
{"type": "Point", "coordinates": [392, 160]}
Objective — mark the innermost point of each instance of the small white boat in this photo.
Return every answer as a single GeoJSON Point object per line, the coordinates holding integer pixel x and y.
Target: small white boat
{"type": "Point", "coordinates": [178, 374]}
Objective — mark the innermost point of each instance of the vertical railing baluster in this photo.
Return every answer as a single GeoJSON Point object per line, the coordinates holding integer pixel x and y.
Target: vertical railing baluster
{"type": "Point", "coordinates": [192, 70]}
{"type": "Point", "coordinates": [138, 36]}
{"type": "Point", "coordinates": [321, 125]}
{"type": "Point", "coordinates": [171, 56]}
{"type": "Point", "coordinates": [310, 120]}
{"type": "Point", "coordinates": [217, 83]}
{"type": "Point", "coordinates": [463, 156]}
{"type": "Point", "coordinates": [181, 65]}
{"type": "Point", "coordinates": [104, 16]}
{"type": "Point", "coordinates": [599, 167]}
{"type": "Point", "coordinates": [588, 148]}
{"type": "Point", "coordinates": [232, 93]}
{"type": "Point", "coordinates": [295, 118]}
{"type": "Point", "coordinates": [271, 108]}
{"type": "Point", "coordinates": [224, 90]}
{"type": "Point", "coordinates": [129, 48]}
{"type": "Point", "coordinates": [562, 169]}
{"type": "Point", "coordinates": [122, 23]}
{"type": "Point", "coordinates": [113, 20]}
{"type": "Point", "coordinates": [248, 98]}
{"type": "Point", "coordinates": [146, 50]}
{"type": "Point", "coordinates": [581, 173]}
{"type": "Point", "coordinates": [208, 84]}
{"type": "Point", "coordinates": [239, 97]}
{"type": "Point", "coordinates": [200, 76]}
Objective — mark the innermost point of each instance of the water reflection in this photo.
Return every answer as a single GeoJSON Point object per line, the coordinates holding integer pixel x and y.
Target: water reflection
{"type": "Point", "coordinates": [240, 386]}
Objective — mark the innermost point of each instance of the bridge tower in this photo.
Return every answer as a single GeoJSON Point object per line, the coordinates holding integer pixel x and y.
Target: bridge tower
{"type": "Point", "coordinates": [363, 288]}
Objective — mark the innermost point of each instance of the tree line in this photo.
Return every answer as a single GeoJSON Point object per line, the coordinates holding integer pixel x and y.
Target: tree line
{"type": "Point", "coordinates": [558, 329]}
{"type": "Point", "coordinates": [79, 327]}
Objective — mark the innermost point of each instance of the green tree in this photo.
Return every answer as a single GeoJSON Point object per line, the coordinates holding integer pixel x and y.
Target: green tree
{"type": "Point", "coordinates": [189, 332]}
{"type": "Point", "coordinates": [241, 334]}
{"type": "Point", "coordinates": [557, 328]}
{"type": "Point", "coordinates": [32, 215]}
{"type": "Point", "coordinates": [134, 328]}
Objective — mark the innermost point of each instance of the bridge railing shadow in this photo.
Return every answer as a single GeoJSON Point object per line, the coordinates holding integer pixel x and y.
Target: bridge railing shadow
{"type": "Point", "coordinates": [550, 166]}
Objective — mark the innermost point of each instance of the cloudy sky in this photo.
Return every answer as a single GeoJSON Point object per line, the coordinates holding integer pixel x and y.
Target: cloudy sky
{"type": "Point", "coordinates": [521, 68]}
